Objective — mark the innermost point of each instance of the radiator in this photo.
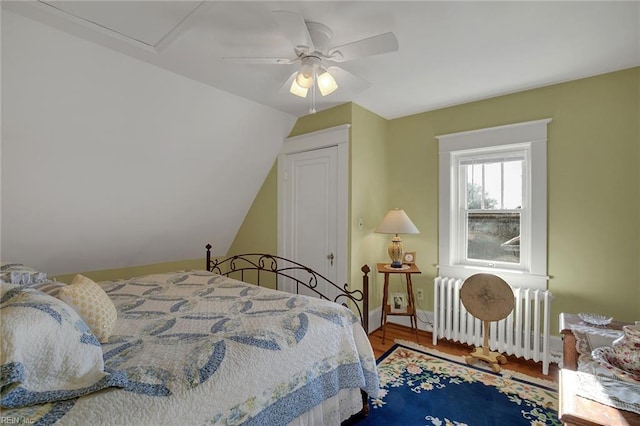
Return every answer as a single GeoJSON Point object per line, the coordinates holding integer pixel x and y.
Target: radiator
{"type": "Point", "coordinates": [524, 333]}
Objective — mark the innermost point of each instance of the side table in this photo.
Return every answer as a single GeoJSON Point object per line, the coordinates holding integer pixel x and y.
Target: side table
{"type": "Point", "coordinates": [407, 270]}
{"type": "Point", "coordinates": [575, 409]}
{"type": "Point", "coordinates": [569, 352]}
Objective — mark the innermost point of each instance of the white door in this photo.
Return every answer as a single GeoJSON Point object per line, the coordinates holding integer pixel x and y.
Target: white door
{"type": "Point", "coordinates": [311, 202]}
{"type": "Point", "coordinates": [312, 211]}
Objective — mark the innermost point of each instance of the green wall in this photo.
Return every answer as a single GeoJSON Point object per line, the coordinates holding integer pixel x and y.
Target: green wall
{"type": "Point", "coordinates": [137, 271]}
{"type": "Point", "coordinates": [593, 185]}
{"type": "Point", "coordinates": [322, 120]}
{"type": "Point", "coordinates": [367, 192]}
{"type": "Point", "coordinates": [593, 189]}
{"type": "Point", "coordinates": [258, 231]}
{"type": "Point", "coordinates": [368, 200]}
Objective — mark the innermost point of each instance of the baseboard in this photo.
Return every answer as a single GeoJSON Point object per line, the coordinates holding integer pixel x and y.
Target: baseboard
{"type": "Point", "coordinates": [425, 319]}
{"type": "Point", "coordinates": [425, 323]}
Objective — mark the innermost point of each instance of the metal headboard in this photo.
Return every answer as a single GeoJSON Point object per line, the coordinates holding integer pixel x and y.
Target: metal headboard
{"type": "Point", "coordinates": [276, 269]}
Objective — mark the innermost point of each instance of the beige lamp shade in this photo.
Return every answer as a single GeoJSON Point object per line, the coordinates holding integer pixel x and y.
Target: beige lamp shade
{"type": "Point", "coordinates": [396, 222]}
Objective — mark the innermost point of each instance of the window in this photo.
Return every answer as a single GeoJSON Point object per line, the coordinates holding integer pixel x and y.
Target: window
{"type": "Point", "coordinates": [493, 203]}
{"type": "Point", "coordinates": [490, 208]}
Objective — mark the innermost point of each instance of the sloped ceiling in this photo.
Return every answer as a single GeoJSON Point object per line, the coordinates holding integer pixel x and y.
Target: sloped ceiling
{"type": "Point", "coordinates": [109, 162]}
{"type": "Point", "coordinates": [127, 139]}
{"type": "Point", "coordinates": [147, 24]}
{"type": "Point", "coordinates": [451, 52]}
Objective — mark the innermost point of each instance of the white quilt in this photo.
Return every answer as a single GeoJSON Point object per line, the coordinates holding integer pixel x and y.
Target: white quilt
{"type": "Point", "coordinates": [199, 348]}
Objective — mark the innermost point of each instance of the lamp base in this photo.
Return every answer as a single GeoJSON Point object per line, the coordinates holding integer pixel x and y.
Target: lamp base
{"type": "Point", "coordinates": [395, 251]}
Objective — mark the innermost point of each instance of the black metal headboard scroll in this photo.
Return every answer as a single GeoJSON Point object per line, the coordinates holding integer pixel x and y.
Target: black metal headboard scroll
{"type": "Point", "coordinates": [278, 267]}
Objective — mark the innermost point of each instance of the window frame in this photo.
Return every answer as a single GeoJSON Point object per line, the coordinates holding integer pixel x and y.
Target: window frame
{"type": "Point", "coordinates": [530, 137]}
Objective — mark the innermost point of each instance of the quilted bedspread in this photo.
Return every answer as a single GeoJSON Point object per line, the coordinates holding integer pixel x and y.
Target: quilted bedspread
{"type": "Point", "coordinates": [200, 348]}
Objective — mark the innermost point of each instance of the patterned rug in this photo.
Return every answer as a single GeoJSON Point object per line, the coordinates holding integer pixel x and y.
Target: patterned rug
{"type": "Point", "coordinates": [420, 386]}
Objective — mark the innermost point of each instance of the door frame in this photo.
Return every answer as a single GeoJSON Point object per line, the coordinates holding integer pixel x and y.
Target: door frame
{"type": "Point", "coordinates": [335, 136]}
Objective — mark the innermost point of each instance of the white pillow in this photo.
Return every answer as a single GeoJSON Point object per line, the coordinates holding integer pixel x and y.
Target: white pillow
{"type": "Point", "coordinates": [92, 304]}
{"type": "Point", "coordinates": [47, 353]}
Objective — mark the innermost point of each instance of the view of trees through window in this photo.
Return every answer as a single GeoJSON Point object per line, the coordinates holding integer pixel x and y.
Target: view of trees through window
{"type": "Point", "coordinates": [493, 210]}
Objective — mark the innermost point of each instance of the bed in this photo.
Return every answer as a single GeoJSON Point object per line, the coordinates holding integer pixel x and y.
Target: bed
{"type": "Point", "coordinates": [196, 347]}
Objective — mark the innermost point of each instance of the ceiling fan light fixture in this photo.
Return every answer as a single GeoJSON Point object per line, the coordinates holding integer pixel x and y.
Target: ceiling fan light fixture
{"type": "Point", "coordinates": [297, 90]}
{"type": "Point", "coordinates": [314, 50]}
{"type": "Point", "coordinates": [326, 83]}
{"type": "Point", "coordinates": [305, 76]}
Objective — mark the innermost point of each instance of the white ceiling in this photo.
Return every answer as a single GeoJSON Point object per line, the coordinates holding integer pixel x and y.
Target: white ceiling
{"type": "Point", "coordinates": [450, 52]}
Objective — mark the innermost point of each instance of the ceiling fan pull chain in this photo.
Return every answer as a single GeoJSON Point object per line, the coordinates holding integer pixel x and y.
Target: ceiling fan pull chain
{"type": "Point", "coordinates": [313, 95]}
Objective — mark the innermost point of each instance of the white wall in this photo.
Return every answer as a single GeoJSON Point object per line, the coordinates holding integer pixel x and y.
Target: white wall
{"type": "Point", "coordinates": [110, 162]}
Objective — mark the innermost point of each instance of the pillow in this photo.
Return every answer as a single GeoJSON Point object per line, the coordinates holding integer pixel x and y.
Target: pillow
{"type": "Point", "coordinates": [52, 288]}
{"type": "Point", "coordinates": [17, 273]}
{"type": "Point", "coordinates": [47, 353]}
{"type": "Point", "coordinates": [92, 304]}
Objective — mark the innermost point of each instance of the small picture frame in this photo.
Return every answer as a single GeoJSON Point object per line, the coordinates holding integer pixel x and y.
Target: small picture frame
{"type": "Point", "coordinates": [409, 257]}
{"type": "Point", "coordinates": [398, 302]}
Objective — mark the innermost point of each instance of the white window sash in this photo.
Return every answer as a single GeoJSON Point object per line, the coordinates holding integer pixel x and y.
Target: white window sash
{"type": "Point", "coordinates": [496, 143]}
{"type": "Point", "coordinates": [460, 228]}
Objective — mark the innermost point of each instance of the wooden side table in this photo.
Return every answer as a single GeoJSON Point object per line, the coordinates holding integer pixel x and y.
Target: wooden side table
{"type": "Point", "coordinates": [407, 270]}
{"type": "Point", "coordinates": [573, 409]}
{"type": "Point", "coordinates": [569, 351]}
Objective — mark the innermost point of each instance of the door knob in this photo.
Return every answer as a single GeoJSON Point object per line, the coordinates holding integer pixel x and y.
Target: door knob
{"type": "Point", "coordinates": [330, 257]}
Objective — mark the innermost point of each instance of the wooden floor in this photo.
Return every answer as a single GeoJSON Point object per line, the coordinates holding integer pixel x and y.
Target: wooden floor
{"type": "Point", "coordinates": [395, 331]}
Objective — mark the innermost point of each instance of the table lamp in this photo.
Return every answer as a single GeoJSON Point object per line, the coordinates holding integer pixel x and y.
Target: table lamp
{"type": "Point", "coordinates": [396, 222]}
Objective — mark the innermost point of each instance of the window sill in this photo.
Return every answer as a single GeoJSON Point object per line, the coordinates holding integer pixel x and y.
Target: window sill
{"type": "Point", "coordinates": [512, 277]}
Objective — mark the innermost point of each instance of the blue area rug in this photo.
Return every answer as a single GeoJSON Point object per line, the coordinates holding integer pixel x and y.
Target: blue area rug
{"type": "Point", "coordinates": [419, 386]}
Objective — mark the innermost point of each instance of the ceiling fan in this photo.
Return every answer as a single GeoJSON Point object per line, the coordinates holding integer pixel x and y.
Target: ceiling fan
{"type": "Point", "coordinates": [311, 45]}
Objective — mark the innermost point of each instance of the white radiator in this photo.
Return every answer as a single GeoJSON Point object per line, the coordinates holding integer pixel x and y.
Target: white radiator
{"type": "Point", "coordinates": [524, 333]}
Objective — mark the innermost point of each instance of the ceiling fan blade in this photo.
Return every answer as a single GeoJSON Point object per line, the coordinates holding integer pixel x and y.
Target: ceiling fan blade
{"type": "Point", "coordinates": [268, 61]}
{"type": "Point", "coordinates": [348, 81]}
{"type": "Point", "coordinates": [383, 43]}
{"type": "Point", "coordinates": [295, 29]}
